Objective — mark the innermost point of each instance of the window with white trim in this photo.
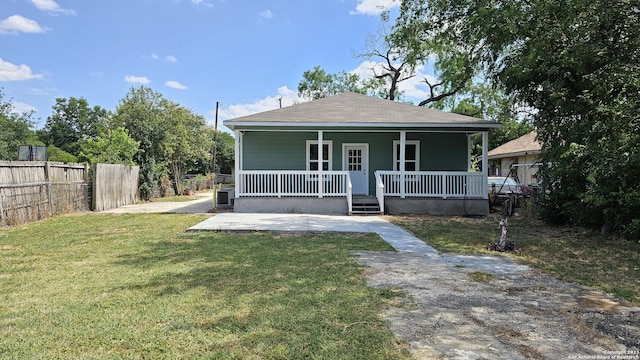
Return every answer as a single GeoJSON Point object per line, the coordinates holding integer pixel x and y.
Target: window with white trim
{"type": "Point", "coordinates": [313, 160]}
{"type": "Point", "coordinates": [411, 155]}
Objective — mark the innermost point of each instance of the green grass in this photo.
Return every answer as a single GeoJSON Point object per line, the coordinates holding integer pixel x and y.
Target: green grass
{"type": "Point", "coordinates": [587, 257]}
{"type": "Point", "coordinates": [138, 286]}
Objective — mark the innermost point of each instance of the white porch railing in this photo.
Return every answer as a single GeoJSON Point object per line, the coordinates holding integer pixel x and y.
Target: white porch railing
{"type": "Point", "coordinates": [439, 184]}
{"type": "Point", "coordinates": [294, 183]}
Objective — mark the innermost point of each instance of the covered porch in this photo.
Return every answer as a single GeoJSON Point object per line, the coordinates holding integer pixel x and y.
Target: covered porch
{"type": "Point", "coordinates": [349, 171]}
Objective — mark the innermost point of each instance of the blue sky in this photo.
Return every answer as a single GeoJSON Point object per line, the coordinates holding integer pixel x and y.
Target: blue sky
{"type": "Point", "coordinates": [243, 53]}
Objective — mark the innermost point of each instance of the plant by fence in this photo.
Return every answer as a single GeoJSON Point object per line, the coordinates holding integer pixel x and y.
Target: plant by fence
{"type": "Point", "coordinates": [114, 186]}
{"type": "Point", "coordinates": [34, 190]}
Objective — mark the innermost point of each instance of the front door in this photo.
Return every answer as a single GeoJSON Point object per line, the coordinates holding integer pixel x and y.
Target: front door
{"type": "Point", "coordinates": [356, 161]}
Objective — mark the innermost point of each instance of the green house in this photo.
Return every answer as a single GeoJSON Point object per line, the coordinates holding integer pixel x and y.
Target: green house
{"type": "Point", "coordinates": [376, 156]}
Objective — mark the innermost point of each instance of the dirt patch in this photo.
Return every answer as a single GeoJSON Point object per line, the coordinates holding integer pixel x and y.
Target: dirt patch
{"type": "Point", "coordinates": [489, 307]}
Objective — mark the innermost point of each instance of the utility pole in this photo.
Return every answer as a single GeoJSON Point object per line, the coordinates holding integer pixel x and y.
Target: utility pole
{"type": "Point", "coordinates": [215, 142]}
{"type": "Point", "coordinates": [213, 160]}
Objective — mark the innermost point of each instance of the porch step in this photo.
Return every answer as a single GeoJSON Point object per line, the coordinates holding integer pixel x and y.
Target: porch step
{"type": "Point", "coordinates": [365, 205]}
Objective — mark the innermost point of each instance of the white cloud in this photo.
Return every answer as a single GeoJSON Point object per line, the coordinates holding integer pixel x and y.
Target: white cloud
{"type": "Point", "coordinates": [266, 14]}
{"type": "Point", "coordinates": [288, 96]}
{"type": "Point", "coordinates": [152, 56]}
{"type": "Point", "coordinates": [374, 7]}
{"type": "Point", "coordinates": [12, 72]}
{"type": "Point", "coordinates": [17, 23]}
{"type": "Point", "coordinates": [137, 79]}
{"type": "Point", "coordinates": [22, 108]}
{"type": "Point", "coordinates": [52, 7]}
{"type": "Point", "coordinates": [365, 69]}
{"type": "Point", "coordinates": [175, 85]}
{"type": "Point", "coordinates": [202, 3]}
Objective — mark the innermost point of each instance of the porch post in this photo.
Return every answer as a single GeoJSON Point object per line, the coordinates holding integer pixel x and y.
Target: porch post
{"type": "Point", "coordinates": [238, 161]}
{"type": "Point", "coordinates": [469, 144]}
{"type": "Point", "coordinates": [403, 145]}
{"type": "Point", "coordinates": [485, 163]}
{"type": "Point", "coordinates": [320, 163]}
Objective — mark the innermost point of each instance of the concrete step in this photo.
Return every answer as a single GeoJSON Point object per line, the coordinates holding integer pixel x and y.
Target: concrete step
{"type": "Point", "coordinates": [365, 206]}
{"type": "Point", "coordinates": [364, 213]}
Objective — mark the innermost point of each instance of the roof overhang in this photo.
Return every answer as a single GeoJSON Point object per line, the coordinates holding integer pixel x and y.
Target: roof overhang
{"type": "Point", "coordinates": [514, 154]}
{"type": "Point", "coordinates": [239, 125]}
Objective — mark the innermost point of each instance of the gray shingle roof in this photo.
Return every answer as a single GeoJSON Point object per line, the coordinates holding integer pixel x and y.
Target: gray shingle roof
{"type": "Point", "coordinates": [358, 110]}
{"type": "Point", "coordinates": [525, 144]}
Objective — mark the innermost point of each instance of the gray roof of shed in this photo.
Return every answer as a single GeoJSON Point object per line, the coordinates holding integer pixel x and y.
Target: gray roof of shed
{"type": "Point", "coordinates": [357, 110]}
{"type": "Point", "coordinates": [524, 145]}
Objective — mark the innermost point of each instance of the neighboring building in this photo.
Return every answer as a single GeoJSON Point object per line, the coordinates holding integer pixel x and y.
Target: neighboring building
{"type": "Point", "coordinates": [376, 156]}
{"type": "Point", "coordinates": [521, 155]}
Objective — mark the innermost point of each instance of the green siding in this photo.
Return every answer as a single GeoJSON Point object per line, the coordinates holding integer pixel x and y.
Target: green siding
{"type": "Point", "coordinates": [380, 155]}
{"type": "Point", "coordinates": [443, 152]}
{"type": "Point", "coordinates": [275, 150]}
{"type": "Point", "coordinates": [287, 150]}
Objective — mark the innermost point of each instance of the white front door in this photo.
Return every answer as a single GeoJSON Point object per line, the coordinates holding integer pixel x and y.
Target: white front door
{"type": "Point", "coordinates": [356, 161]}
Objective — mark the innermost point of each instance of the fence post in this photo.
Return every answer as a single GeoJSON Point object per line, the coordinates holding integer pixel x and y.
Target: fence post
{"type": "Point", "coordinates": [1, 203]}
{"type": "Point", "coordinates": [94, 182]}
{"type": "Point", "coordinates": [47, 179]}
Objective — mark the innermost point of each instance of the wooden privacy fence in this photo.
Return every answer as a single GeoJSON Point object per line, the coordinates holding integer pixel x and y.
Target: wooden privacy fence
{"type": "Point", "coordinates": [114, 186]}
{"type": "Point", "coordinates": [34, 190]}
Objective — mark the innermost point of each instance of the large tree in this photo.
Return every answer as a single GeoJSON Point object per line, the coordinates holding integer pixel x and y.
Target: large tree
{"type": "Point", "coordinates": [15, 130]}
{"type": "Point", "coordinates": [141, 113]}
{"type": "Point", "coordinates": [73, 120]}
{"type": "Point", "coordinates": [114, 146]}
{"type": "Point", "coordinates": [186, 140]}
{"type": "Point", "coordinates": [576, 64]}
{"type": "Point", "coordinates": [224, 151]}
{"type": "Point", "coordinates": [170, 138]}
{"type": "Point", "coordinates": [392, 63]}
{"type": "Point", "coordinates": [317, 83]}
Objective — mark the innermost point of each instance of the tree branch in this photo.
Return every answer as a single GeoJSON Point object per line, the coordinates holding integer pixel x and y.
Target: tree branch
{"type": "Point", "coordinates": [439, 97]}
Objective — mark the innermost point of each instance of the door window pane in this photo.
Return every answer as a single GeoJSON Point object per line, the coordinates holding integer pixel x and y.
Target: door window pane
{"type": "Point", "coordinates": [355, 159]}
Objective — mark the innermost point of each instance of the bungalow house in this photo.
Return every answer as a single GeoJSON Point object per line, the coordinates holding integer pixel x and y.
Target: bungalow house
{"type": "Point", "coordinates": [519, 155]}
{"type": "Point", "coordinates": [351, 154]}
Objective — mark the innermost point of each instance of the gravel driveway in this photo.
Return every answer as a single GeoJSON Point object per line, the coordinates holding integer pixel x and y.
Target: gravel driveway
{"type": "Point", "coordinates": [456, 307]}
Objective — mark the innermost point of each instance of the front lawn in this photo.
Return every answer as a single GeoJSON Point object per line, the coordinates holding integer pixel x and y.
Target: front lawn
{"type": "Point", "coordinates": [138, 286]}
{"type": "Point", "coordinates": [575, 254]}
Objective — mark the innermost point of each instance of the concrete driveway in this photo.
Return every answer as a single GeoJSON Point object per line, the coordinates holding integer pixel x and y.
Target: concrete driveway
{"type": "Point", "coordinates": [203, 205]}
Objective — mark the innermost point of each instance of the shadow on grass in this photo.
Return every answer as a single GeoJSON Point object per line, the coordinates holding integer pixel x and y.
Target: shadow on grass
{"type": "Point", "coordinates": [268, 294]}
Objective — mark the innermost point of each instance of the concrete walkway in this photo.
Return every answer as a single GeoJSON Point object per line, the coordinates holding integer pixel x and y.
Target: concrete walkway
{"type": "Point", "coordinates": [400, 239]}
